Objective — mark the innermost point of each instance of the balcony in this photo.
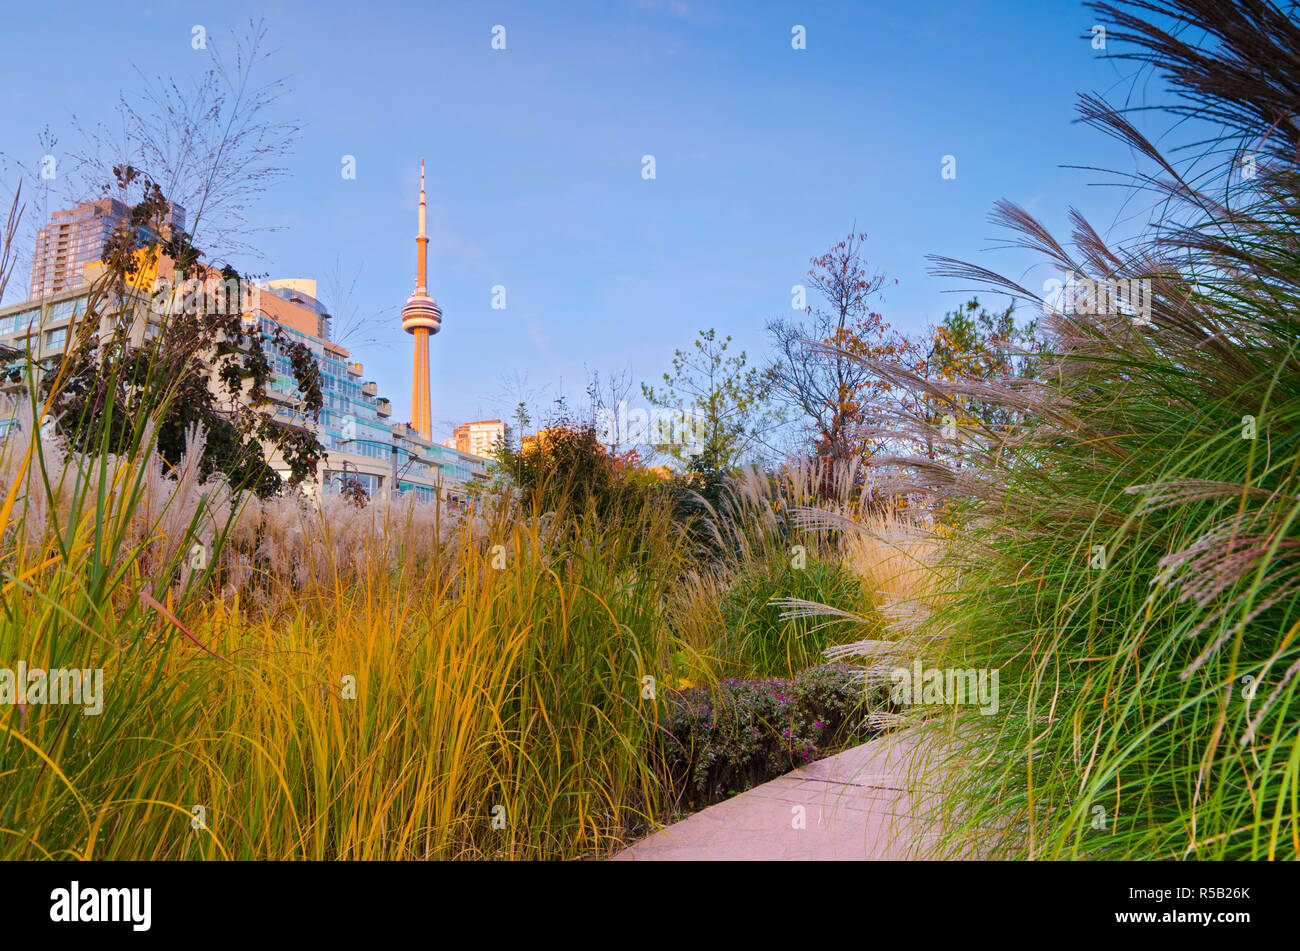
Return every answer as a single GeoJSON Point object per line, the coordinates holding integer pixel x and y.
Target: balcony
{"type": "Point", "coordinates": [369, 388]}
{"type": "Point", "coordinates": [384, 407]}
{"type": "Point", "coordinates": [354, 369]}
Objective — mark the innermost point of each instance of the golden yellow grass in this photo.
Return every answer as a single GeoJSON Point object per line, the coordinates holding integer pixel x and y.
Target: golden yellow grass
{"type": "Point", "coordinates": [897, 557]}
{"type": "Point", "coordinates": [390, 681]}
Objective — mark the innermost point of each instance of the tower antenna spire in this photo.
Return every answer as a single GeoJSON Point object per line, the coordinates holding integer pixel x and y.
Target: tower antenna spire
{"type": "Point", "coordinates": [422, 318]}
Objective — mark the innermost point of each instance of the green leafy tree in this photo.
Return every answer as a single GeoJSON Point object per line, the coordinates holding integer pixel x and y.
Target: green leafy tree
{"type": "Point", "coordinates": [726, 400]}
{"type": "Point", "coordinates": [205, 367]}
{"type": "Point", "coordinates": [973, 344]}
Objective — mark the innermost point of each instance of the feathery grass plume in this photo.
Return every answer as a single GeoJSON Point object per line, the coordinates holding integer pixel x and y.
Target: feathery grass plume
{"type": "Point", "coordinates": [429, 687]}
{"type": "Point", "coordinates": [1128, 556]}
{"type": "Point", "coordinates": [96, 556]}
{"type": "Point", "coordinates": [782, 587]}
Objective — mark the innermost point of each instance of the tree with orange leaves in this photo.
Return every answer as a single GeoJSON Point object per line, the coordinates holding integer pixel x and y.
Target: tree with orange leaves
{"type": "Point", "coordinates": [973, 344]}
{"type": "Point", "coordinates": [818, 371]}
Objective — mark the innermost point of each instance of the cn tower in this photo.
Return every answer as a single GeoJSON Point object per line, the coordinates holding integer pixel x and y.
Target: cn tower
{"type": "Point", "coordinates": [422, 318]}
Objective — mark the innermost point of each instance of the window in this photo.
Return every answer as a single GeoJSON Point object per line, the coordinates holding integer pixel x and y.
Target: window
{"type": "Point", "coordinates": [55, 338]}
{"type": "Point", "coordinates": [334, 480]}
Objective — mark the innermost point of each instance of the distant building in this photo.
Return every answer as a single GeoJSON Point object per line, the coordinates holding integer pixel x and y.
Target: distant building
{"type": "Point", "coordinates": [543, 439]}
{"type": "Point", "coordinates": [75, 238]}
{"type": "Point", "coordinates": [302, 291]}
{"type": "Point", "coordinates": [353, 426]}
{"type": "Point", "coordinates": [539, 440]}
{"type": "Point", "coordinates": [480, 437]}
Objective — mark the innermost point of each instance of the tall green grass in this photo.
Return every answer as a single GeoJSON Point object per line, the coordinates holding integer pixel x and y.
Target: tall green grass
{"type": "Point", "coordinates": [1126, 558]}
{"type": "Point", "coordinates": [763, 638]}
{"type": "Point", "coordinates": [489, 700]}
{"type": "Point", "coordinates": [743, 605]}
{"type": "Point", "coordinates": [288, 678]}
{"type": "Point", "coordinates": [88, 546]}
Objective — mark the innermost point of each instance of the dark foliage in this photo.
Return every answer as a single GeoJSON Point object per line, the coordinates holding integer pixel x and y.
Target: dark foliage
{"type": "Point", "coordinates": [722, 741]}
{"type": "Point", "coordinates": [565, 467]}
{"type": "Point", "coordinates": [207, 366]}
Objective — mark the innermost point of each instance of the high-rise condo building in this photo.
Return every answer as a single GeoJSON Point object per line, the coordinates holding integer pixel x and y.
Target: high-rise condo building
{"type": "Point", "coordinates": [75, 237]}
{"type": "Point", "coordinates": [480, 437]}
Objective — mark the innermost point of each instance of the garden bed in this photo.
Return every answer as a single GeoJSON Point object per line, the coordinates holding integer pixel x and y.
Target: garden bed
{"type": "Point", "coordinates": [719, 741]}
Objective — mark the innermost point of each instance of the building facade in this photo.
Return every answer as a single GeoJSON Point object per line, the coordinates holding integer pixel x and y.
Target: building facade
{"type": "Point", "coordinates": [354, 426]}
{"type": "Point", "coordinates": [480, 437]}
{"type": "Point", "coordinates": [75, 239]}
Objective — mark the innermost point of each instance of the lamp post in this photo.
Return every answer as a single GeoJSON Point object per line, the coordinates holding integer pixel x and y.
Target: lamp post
{"type": "Point", "coordinates": [411, 459]}
{"type": "Point", "coordinates": [392, 481]}
{"type": "Point", "coordinates": [345, 463]}
{"type": "Point", "coordinates": [344, 483]}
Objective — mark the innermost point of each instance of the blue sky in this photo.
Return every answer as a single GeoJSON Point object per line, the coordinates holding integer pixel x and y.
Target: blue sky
{"type": "Point", "coordinates": [764, 156]}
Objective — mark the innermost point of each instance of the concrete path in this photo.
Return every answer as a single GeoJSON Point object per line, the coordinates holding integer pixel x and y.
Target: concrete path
{"type": "Point", "coordinates": [855, 805]}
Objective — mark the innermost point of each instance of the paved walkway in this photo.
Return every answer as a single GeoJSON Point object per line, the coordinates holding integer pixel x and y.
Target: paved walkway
{"type": "Point", "coordinates": [855, 805]}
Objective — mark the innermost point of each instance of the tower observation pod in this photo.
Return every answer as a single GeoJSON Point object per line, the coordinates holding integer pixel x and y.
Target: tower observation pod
{"type": "Point", "coordinates": [422, 318]}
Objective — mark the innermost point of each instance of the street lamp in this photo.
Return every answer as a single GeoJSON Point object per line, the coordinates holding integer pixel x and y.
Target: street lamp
{"type": "Point", "coordinates": [397, 474]}
{"type": "Point", "coordinates": [345, 463]}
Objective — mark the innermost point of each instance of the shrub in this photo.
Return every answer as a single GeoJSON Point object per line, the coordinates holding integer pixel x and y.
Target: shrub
{"type": "Point", "coordinates": [727, 739]}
